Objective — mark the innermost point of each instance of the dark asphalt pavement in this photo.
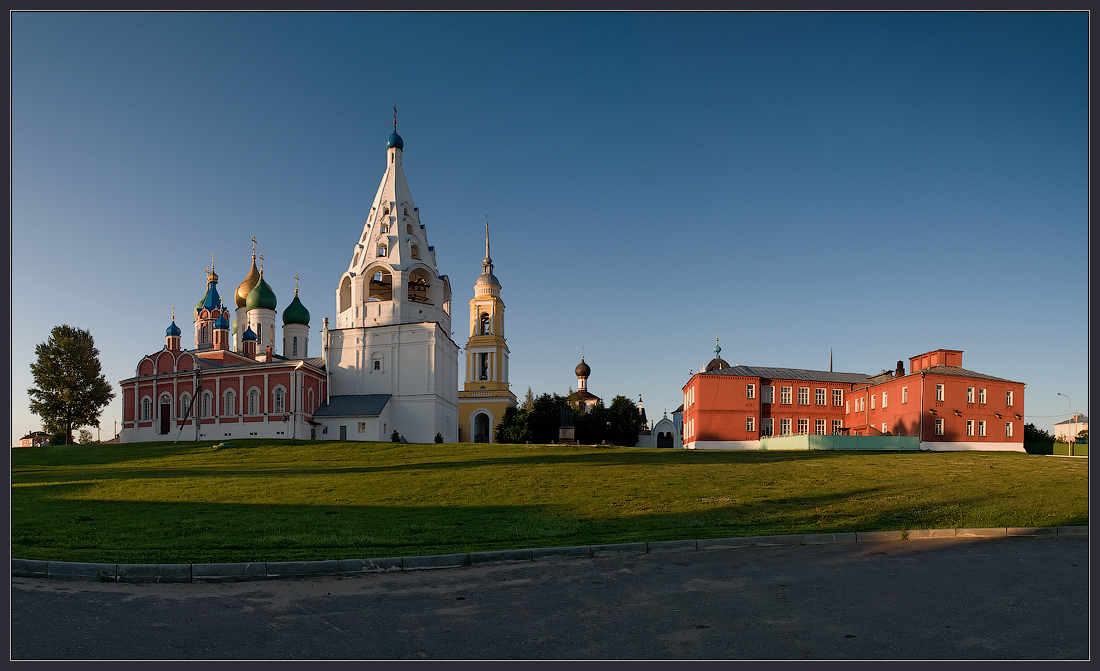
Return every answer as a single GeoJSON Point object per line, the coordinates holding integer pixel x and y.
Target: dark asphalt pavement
{"type": "Point", "coordinates": [953, 598]}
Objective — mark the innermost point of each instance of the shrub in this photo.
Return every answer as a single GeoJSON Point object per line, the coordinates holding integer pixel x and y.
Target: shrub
{"type": "Point", "coordinates": [395, 437]}
{"type": "Point", "coordinates": [438, 437]}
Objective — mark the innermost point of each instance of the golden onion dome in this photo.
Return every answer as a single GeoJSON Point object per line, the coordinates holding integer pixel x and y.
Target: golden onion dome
{"type": "Point", "coordinates": [248, 285]}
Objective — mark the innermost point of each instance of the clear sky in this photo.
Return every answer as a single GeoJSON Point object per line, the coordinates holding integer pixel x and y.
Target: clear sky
{"type": "Point", "coordinates": [874, 184]}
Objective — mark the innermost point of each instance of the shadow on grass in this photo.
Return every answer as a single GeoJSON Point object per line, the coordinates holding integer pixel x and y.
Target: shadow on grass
{"type": "Point", "coordinates": [157, 532]}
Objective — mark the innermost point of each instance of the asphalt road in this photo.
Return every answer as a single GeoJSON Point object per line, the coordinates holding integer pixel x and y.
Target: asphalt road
{"type": "Point", "coordinates": [1003, 598]}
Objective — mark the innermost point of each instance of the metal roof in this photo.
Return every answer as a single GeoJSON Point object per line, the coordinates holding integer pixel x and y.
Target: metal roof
{"type": "Point", "coordinates": [962, 372]}
{"type": "Point", "coordinates": [1081, 419]}
{"type": "Point", "coordinates": [771, 373]}
{"type": "Point", "coordinates": [353, 405]}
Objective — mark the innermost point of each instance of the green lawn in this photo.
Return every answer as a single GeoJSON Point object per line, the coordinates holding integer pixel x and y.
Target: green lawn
{"type": "Point", "coordinates": [301, 500]}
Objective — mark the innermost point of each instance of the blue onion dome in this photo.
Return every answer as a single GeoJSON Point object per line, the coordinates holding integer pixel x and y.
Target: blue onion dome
{"type": "Point", "coordinates": [249, 334]}
{"type": "Point", "coordinates": [296, 313]}
{"type": "Point", "coordinates": [173, 330]}
{"type": "Point", "coordinates": [211, 299]}
{"type": "Point", "coordinates": [717, 363]}
{"type": "Point", "coordinates": [394, 140]}
{"type": "Point", "coordinates": [583, 369]}
{"type": "Point", "coordinates": [223, 321]}
{"type": "Point", "coordinates": [261, 297]}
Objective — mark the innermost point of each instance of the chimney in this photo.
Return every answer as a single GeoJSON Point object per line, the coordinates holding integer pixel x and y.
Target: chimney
{"type": "Point", "coordinates": [900, 372]}
{"type": "Point", "coordinates": [269, 353]}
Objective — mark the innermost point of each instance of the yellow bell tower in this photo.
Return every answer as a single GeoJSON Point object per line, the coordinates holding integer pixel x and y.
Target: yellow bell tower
{"type": "Point", "coordinates": [485, 394]}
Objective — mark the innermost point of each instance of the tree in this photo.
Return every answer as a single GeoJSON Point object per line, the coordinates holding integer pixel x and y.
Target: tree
{"type": "Point", "coordinates": [86, 437]}
{"type": "Point", "coordinates": [1083, 436]}
{"type": "Point", "coordinates": [513, 426]}
{"type": "Point", "coordinates": [1033, 434]}
{"type": "Point", "coordinates": [528, 402]}
{"type": "Point", "coordinates": [626, 421]}
{"type": "Point", "coordinates": [70, 390]}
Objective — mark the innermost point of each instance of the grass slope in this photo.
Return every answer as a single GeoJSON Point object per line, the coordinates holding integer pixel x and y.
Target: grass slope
{"type": "Point", "coordinates": [300, 500]}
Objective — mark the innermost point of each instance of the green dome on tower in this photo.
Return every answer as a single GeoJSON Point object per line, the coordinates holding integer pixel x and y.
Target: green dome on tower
{"type": "Point", "coordinates": [296, 313]}
{"type": "Point", "coordinates": [261, 297]}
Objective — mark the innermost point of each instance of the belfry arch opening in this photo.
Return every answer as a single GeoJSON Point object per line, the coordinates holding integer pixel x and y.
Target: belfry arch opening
{"type": "Point", "coordinates": [345, 294]}
{"type": "Point", "coordinates": [419, 286]}
{"type": "Point", "coordinates": [483, 328]}
{"type": "Point", "coordinates": [380, 286]}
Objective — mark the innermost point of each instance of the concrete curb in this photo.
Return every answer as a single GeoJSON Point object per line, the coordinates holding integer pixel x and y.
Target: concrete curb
{"type": "Point", "coordinates": [179, 573]}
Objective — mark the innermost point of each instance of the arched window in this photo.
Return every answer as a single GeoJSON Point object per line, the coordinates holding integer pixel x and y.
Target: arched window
{"type": "Point", "coordinates": [146, 408]}
{"type": "Point", "coordinates": [386, 210]}
{"type": "Point", "coordinates": [408, 227]}
{"type": "Point", "coordinates": [207, 401]}
{"type": "Point", "coordinates": [382, 248]}
{"type": "Point", "coordinates": [280, 400]}
{"type": "Point", "coordinates": [254, 401]}
{"type": "Point", "coordinates": [380, 287]}
{"type": "Point", "coordinates": [203, 336]}
{"type": "Point", "coordinates": [230, 407]}
{"type": "Point", "coordinates": [295, 346]}
{"type": "Point", "coordinates": [415, 252]}
{"type": "Point", "coordinates": [185, 403]}
{"type": "Point", "coordinates": [484, 330]}
{"type": "Point", "coordinates": [419, 286]}
{"type": "Point", "coordinates": [310, 407]}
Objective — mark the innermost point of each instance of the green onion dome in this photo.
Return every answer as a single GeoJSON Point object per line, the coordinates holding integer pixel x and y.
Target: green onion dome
{"type": "Point", "coordinates": [233, 327]}
{"type": "Point", "coordinates": [261, 296]}
{"type": "Point", "coordinates": [296, 313]}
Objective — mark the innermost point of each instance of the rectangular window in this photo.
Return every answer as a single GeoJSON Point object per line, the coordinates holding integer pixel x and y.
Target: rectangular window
{"type": "Point", "coordinates": [803, 395]}
{"type": "Point", "coordinates": [970, 394]}
{"type": "Point", "coordinates": [981, 427]}
{"type": "Point", "coordinates": [750, 424]}
{"type": "Point", "coordinates": [981, 395]}
{"type": "Point", "coordinates": [884, 432]}
{"type": "Point", "coordinates": [904, 395]}
{"type": "Point", "coordinates": [785, 427]}
{"type": "Point", "coordinates": [1008, 400]}
{"type": "Point", "coordinates": [362, 427]}
{"type": "Point", "coordinates": [872, 401]}
{"type": "Point", "coordinates": [750, 391]}
{"type": "Point", "coordinates": [766, 426]}
{"type": "Point", "coordinates": [819, 397]}
{"type": "Point", "coordinates": [846, 407]}
{"type": "Point", "coordinates": [838, 397]}
{"type": "Point", "coordinates": [970, 427]}
{"type": "Point", "coordinates": [768, 393]}
{"type": "Point", "coordinates": [939, 393]}
{"type": "Point", "coordinates": [803, 427]}
{"type": "Point", "coordinates": [837, 427]}
{"type": "Point", "coordinates": [884, 399]}
{"type": "Point", "coordinates": [785, 395]}
{"type": "Point", "coordinates": [939, 427]}
{"type": "Point", "coordinates": [819, 427]}
{"type": "Point", "coordinates": [1008, 428]}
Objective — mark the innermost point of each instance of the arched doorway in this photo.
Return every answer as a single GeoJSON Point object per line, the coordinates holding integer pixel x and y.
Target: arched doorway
{"type": "Point", "coordinates": [481, 428]}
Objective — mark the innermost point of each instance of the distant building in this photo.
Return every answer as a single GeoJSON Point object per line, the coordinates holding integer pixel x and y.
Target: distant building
{"type": "Point", "coordinates": [35, 439]}
{"type": "Point", "coordinates": [948, 407]}
{"type": "Point", "coordinates": [582, 395]}
{"type": "Point", "coordinates": [1068, 429]}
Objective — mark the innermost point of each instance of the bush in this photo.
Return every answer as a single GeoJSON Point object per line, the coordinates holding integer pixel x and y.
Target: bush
{"type": "Point", "coordinates": [395, 437]}
{"type": "Point", "coordinates": [438, 437]}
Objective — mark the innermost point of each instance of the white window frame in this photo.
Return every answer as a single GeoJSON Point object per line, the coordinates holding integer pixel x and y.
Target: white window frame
{"type": "Point", "coordinates": [939, 393]}
{"type": "Point", "coordinates": [229, 405]}
{"type": "Point", "coordinates": [750, 424]}
{"type": "Point", "coordinates": [278, 400]}
{"type": "Point", "coordinates": [750, 391]}
{"type": "Point", "coordinates": [146, 408]}
{"type": "Point", "coordinates": [872, 400]}
{"type": "Point", "coordinates": [803, 395]}
{"type": "Point", "coordinates": [785, 426]}
{"type": "Point", "coordinates": [254, 401]}
{"type": "Point", "coordinates": [904, 395]}
{"type": "Point", "coordinates": [819, 396]}
{"type": "Point", "coordinates": [846, 407]}
{"type": "Point", "coordinates": [819, 427]}
{"type": "Point", "coordinates": [970, 394]}
{"type": "Point", "coordinates": [939, 427]}
{"type": "Point", "coordinates": [883, 429]}
{"type": "Point", "coordinates": [804, 426]}
{"type": "Point", "coordinates": [767, 426]}
{"type": "Point", "coordinates": [785, 395]}
{"type": "Point", "coordinates": [767, 393]}
{"type": "Point", "coordinates": [884, 399]}
{"type": "Point", "coordinates": [838, 397]}
{"type": "Point", "coordinates": [970, 427]}
{"type": "Point", "coordinates": [981, 428]}
{"type": "Point", "coordinates": [185, 400]}
{"type": "Point", "coordinates": [981, 395]}
{"type": "Point", "coordinates": [838, 427]}
{"type": "Point", "coordinates": [1008, 399]}
{"type": "Point", "coordinates": [1008, 428]}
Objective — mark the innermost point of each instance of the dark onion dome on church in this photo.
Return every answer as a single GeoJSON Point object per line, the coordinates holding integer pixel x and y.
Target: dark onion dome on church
{"type": "Point", "coordinates": [583, 369]}
{"type": "Point", "coordinates": [248, 285]}
{"type": "Point", "coordinates": [296, 313]}
{"type": "Point", "coordinates": [261, 296]}
{"type": "Point", "coordinates": [249, 334]}
{"type": "Point", "coordinates": [173, 330]}
{"type": "Point", "coordinates": [223, 320]}
{"type": "Point", "coordinates": [717, 363]}
{"type": "Point", "coordinates": [394, 140]}
{"type": "Point", "coordinates": [211, 300]}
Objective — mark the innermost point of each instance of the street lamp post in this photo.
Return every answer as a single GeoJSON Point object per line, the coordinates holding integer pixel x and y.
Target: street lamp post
{"type": "Point", "coordinates": [1073, 436]}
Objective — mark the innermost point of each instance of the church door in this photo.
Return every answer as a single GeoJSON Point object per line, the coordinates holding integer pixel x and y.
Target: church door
{"type": "Point", "coordinates": [664, 439]}
{"type": "Point", "coordinates": [481, 428]}
{"type": "Point", "coordinates": [165, 418]}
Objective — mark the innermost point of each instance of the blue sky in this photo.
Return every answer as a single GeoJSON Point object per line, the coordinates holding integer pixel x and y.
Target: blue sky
{"type": "Point", "coordinates": [877, 184]}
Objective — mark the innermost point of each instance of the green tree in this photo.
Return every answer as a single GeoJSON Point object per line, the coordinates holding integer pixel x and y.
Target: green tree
{"type": "Point", "coordinates": [591, 423]}
{"type": "Point", "coordinates": [545, 418]}
{"type": "Point", "coordinates": [1083, 436]}
{"type": "Point", "coordinates": [70, 390]}
{"type": "Point", "coordinates": [626, 422]}
{"type": "Point", "coordinates": [528, 403]}
{"type": "Point", "coordinates": [513, 427]}
{"type": "Point", "coordinates": [1033, 434]}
